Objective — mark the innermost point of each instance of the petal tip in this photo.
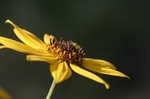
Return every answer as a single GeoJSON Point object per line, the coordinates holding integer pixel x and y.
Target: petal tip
{"type": "Point", "coordinates": [107, 86]}
{"type": "Point", "coordinates": [10, 22]}
{"type": "Point", "coordinates": [127, 77]}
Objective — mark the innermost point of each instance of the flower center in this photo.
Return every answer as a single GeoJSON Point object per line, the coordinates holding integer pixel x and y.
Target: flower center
{"type": "Point", "coordinates": [66, 50]}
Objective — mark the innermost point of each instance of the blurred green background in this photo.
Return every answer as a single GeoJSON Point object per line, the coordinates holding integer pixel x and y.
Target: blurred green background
{"type": "Point", "coordinates": [114, 30]}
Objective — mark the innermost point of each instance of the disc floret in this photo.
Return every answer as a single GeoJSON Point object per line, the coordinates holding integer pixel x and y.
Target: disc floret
{"type": "Point", "coordinates": [66, 50]}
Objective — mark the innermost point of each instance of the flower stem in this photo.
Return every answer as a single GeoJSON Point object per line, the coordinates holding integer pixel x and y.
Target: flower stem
{"type": "Point", "coordinates": [50, 92]}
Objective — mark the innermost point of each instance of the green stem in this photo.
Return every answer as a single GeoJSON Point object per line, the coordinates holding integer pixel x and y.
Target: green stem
{"type": "Point", "coordinates": [50, 92]}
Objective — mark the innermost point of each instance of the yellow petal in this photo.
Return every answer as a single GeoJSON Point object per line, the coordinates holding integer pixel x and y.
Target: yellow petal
{"type": "Point", "coordinates": [41, 58]}
{"type": "Point", "coordinates": [89, 75]}
{"type": "Point", "coordinates": [53, 70]}
{"type": "Point", "coordinates": [48, 38]}
{"type": "Point", "coordinates": [68, 74]}
{"type": "Point", "coordinates": [4, 94]}
{"type": "Point", "coordinates": [96, 64]}
{"type": "Point", "coordinates": [27, 37]}
{"type": "Point", "coordinates": [60, 72]}
{"type": "Point", "coordinates": [20, 47]}
{"type": "Point", "coordinates": [1, 47]}
{"type": "Point", "coordinates": [112, 72]}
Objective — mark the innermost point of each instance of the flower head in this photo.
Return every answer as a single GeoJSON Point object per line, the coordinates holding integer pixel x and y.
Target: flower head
{"type": "Point", "coordinates": [63, 56]}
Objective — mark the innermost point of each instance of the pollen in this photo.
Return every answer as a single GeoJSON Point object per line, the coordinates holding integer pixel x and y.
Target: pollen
{"type": "Point", "coordinates": [66, 50]}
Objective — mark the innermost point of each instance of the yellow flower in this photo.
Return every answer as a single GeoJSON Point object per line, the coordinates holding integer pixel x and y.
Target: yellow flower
{"type": "Point", "coordinates": [4, 94]}
{"type": "Point", "coordinates": [63, 56]}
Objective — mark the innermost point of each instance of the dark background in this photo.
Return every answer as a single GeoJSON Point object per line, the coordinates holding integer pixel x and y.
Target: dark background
{"type": "Point", "coordinates": [114, 30]}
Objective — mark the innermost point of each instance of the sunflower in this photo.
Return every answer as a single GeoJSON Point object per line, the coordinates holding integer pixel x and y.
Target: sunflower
{"type": "Point", "coordinates": [63, 56]}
